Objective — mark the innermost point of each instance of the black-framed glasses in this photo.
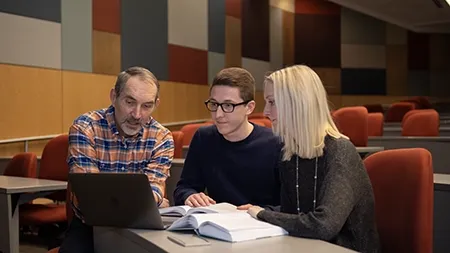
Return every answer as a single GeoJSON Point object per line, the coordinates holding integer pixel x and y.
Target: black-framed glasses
{"type": "Point", "coordinates": [226, 107]}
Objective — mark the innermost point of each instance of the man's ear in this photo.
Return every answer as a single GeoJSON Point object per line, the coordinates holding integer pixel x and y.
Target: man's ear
{"type": "Point", "coordinates": [251, 107]}
{"type": "Point", "coordinates": [112, 96]}
{"type": "Point", "coordinates": [157, 103]}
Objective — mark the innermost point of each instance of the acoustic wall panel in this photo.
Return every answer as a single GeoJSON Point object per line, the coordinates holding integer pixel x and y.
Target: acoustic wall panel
{"type": "Point", "coordinates": [255, 29]}
{"type": "Point", "coordinates": [363, 56]}
{"type": "Point", "coordinates": [288, 38]}
{"type": "Point", "coordinates": [360, 29]}
{"type": "Point", "coordinates": [331, 79]}
{"type": "Point", "coordinates": [216, 26]}
{"type": "Point", "coordinates": [30, 41]}
{"type": "Point", "coordinates": [216, 62]}
{"type": "Point", "coordinates": [188, 28]}
{"type": "Point", "coordinates": [76, 30]}
{"type": "Point", "coordinates": [285, 5]}
{"type": "Point", "coordinates": [233, 42]}
{"type": "Point", "coordinates": [396, 35]}
{"type": "Point", "coordinates": [233, 8]}
{"type": "Point", "coordinates": [418, 83]}
{"type": "Point", "coordinates": [49, 10]}
{"type": "Point", "coordinates": [397, 70]}
{"type": "Point", "coordinates": [188, 65]}
{"type": "Point", "coordinates": [258, 69]}
{"type": "Point", "coordinates": [363, 82]}
{"type": "Point", "coordinates": [106, 53]}
{"type": "Point", "coordinates": [106, 16]}
{"type": "Point", "coordinates": [147, 47]}
{"type": "Point", "coordinates": [276, 38]}
{"type": "Point", "coordinates": [418, 51]}
{"type": "Point", "coordinates": [317, 7]}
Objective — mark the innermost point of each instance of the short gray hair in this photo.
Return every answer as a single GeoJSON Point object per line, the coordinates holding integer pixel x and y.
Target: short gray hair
{"type": "Point", "coordinates": [143, 73]}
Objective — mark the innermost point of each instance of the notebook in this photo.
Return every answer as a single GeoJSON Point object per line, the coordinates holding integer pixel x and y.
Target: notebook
{"type": "Point", "coordinates": [179, 211]}
{"type": "Point", "coordinates": [230, 227]}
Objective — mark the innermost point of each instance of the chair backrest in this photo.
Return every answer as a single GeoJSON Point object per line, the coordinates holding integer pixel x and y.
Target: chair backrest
{"type": "Point", "coordinates": [262, 122]}
{"type": "Point", "coordinates": [54, 165]}
{"type": "Point", "coordinates": [421, 123]}
{"type": "Point", "coordinates": [353, 122]}
{"type": "Point", "coordinates": [257, 115]}
{"type": "Point", "coordinates": [371, 108]}
{"type": "Point", "coordinates": [396, 111]}
{"type": "Point", "coordinates": [22, 165]}
{"type": "Point", "coordinates": [178, 142]}
{"type": "Point", "coordinates": [402, 180]}
{"type": "Point", "coordinates": [375, 124]}
{"type": "Point", "coordinates": [189, 131]}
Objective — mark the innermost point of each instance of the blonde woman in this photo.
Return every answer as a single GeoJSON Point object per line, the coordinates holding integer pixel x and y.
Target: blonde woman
{"type": "Point", "coordinates": [326, 193]}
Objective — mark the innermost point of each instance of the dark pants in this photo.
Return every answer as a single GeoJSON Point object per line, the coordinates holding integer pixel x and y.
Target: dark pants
{"type": "Point", "coordinates": [79, 238]}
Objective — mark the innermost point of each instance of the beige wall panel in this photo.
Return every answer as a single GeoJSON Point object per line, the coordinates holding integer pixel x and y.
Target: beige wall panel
{"type": "Point", "coordinates": [31, 101]}
{"type": "Point", "coordinates": [286, 5]}
{"type": "Point", "coordinates": [260, 103]}
{"type": "Point", "coordinates": [363, 56]}
{"type": "Point", "coordinates": [334, 102]}
{"type": "Point", "coordinates": [106, 53]}
{"type": "Point", "coordinates": [233, 47]}
{"type": "Point", "coordinates": [83, 92]}
{"type": "Point", "coordinates": [331, 79]}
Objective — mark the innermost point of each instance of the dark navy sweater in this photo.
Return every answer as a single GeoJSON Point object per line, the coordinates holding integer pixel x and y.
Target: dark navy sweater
{"type": "Point", "coordinates": [242, 172]}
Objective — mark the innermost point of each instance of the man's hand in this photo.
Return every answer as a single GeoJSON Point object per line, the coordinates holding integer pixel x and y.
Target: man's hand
{"type": "Point", "coordinates": [165, 202]}
{"type": "Point", "coordinates": [254, 210]}
{"type": "Point", "coordinates": [199, 199]}
{"type": "Point", "coordinates": [244, 207]}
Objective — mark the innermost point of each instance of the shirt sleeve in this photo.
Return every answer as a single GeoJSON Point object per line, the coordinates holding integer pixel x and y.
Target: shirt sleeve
{"type": "Point", "coordinates": [82, 157]}
{"type": "Point", "coordinates": [338, 199]}
{"type": "Point", "coordinates": [158, 168]}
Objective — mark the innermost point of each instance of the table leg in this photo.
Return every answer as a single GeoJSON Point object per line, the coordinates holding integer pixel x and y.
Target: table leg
{"type": "Point", "coordinates": [9, 224]}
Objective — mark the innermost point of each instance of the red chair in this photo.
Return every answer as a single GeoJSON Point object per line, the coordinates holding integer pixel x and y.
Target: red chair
{"type": "Point", "coordinates": [53, 166]}
{"type": "Point", "coordinates": [402, 181]}
{"type": "Point", "coordinates": [257, 115]}
{"type": "Point", "coordinates": [353, 122]}
{"type": "Point", "coordinates": [375, 124]}
{"type": "Point", "coordinates": [262, 122]}
{"type": "Point", "coordinates": [22, 165]}
{"type": "Point", "coordinates": [189, 131]}
{"type": "Point", "coordinates": [396, 111]}
{"type": "Point", "coordinates": [421, 123]}
{"type": "Point", "coordinates": [178, 142]}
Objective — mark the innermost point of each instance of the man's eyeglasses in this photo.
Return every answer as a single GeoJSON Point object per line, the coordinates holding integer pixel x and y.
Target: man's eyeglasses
{"type": "Point", "coordinates": [226, 107]}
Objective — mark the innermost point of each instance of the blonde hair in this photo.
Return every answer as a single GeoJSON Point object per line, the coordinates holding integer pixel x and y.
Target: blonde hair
{"type": "Point", "coordinates": [304, 117]}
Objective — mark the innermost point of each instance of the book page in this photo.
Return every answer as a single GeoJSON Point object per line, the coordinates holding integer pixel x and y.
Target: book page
{"type": "Point", "coordinates": [217, 208]}
{"type": "Point", "coordinates": [174, 211]}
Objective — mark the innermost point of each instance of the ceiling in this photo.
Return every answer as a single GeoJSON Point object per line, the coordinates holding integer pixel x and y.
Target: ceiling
{"type": "Point", "coordinates": [416, 15]}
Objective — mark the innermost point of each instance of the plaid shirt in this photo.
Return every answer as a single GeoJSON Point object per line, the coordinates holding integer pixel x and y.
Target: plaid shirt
{"type": "Point", "coordinates": [96, 146]}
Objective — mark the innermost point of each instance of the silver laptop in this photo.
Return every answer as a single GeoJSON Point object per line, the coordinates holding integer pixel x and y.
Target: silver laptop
{"type": "Point", "coordinates": [123, 200]}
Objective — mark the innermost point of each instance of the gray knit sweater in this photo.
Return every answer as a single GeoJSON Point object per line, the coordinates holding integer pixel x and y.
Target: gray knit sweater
{"type": "Point", "coordinates": [344, 213]}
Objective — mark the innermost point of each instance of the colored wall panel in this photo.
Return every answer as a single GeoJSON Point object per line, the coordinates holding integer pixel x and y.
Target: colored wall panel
{"type": "Point", "coordinates": [288, 38]}
{"type": "Point", "coordinates": [317, 40]}
{"type": "Point", "coordinates": [331, 79]}
{"type": "Point", "coordinates": [44, 9]}
{"type": "Point", "coordinates": [418, 83]}
{"type": "Point", "coordinates": [286, 5]}
{"type": "Point", "coordinates": [233, 42]}
{"type": "Point", "coordinates": [397, 70]}
{"type": "Point", "coordinates": [363, 56]}
{"type": "Point", "coordinates": [363, 82]}
{"type": "Point", "coordinates": [439, 83]}
{"type": "Point", "coordinates": [216, 26]}
{"type": "Point", "coordinates": [358, 28]}
{"type": "Point", "coordinates": [276, 38]}
{"type": "Point", "coordinates": [30, 99]}
{"type": "Point", "coordinates": [233, 8]}
{"type": "Point", "coordinates": [188, 65]}
{"type": "Point", "coordinates": [255, 29]}
{"type": "Point", "coordinates": [188, 23]}
{"type": "Point", "coordinates": [440, 52]}
{"type": "Point", "coordinates": [76, 30]}
{"type": "Point", "coordinates": [418, 51]}
{"type": "Point", "coordinates": [316, 7]}
{"type": "Point", "coordinates": [106, 15]}
{"type": "Point", "coordinates": [216, 62]}
{"type": "Point", "coordinates": [396, 35]}
{"type": "Point", "coordinates": [29, 41]}
{"type": "Point", "coordinates": [145, 47]}
{"type": "Point", "coordinates": [106, 53]}
{"type": "Point", "coordinates": [258, 69]}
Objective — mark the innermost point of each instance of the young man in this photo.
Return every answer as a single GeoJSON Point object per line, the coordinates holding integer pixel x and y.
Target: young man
{"type": "Point", "coordinates": [234, 160]}
{"type": "Point", "coordinates": [123, 137]}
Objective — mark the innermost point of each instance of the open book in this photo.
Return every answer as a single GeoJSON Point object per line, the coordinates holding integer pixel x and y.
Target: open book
{"type": "Point", "coordinates": [230, 227]}
{"type": "Point", "coordinates": [179, 211]}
